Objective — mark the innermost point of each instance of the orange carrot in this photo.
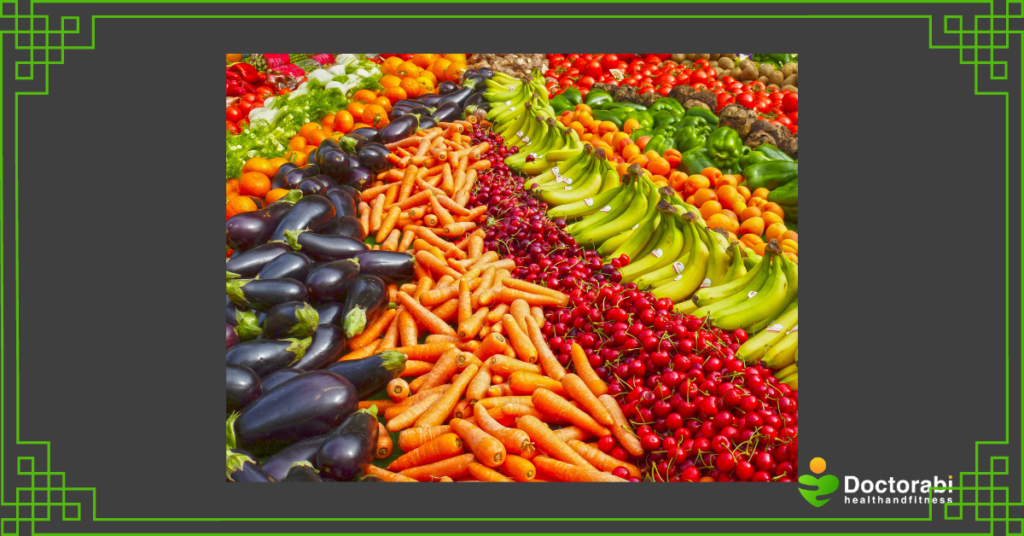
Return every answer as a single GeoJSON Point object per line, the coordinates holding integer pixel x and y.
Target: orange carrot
{"type": "Point", "coordinates": [573, 432]}
{"type": "Point", "coordinates": [495, 402]}
{"type": "Point", "coordinates": [586, 372]}
{"type": "Point", "coordinates": [444, 405]}
{"type": "Point", "coordinates": [365, 351]}
{"type": "Point", "coordinates": [407, 237]}
{"type": "Point", "coordinates": [381, 404]}
{"type": "Point", "coordinates": [385, 475]}
{"type": "Point", "coordinates": [391, 243]}
{"type": "Point", "coordinates": [525, 383]}
{"type": "Point", "coordinates": [440, 374]}
{"type": "Point", "coordinates": [447, 181]}
{"type": "Point", "coordinates": [514, 439]}
{"type": "Point", "coordinates": [499, 311]}
{"type": "Point", "coordinates": [484, 260]}
{"type": "Point", "coordinates": [556, 406]}
{"type": "Point", "coordinates": [407, 331]}
{"type": "Point", "coordinates": [505, 366]}
{"type": "Point", "coordinates": [548, 361]}
{"type": "Point", "coordinates": [566, 472]}
{"type": "Point", "coordinates": [476, 246]}
{"type": "Point", "coordinates": [409, 180]}
{"type": "Point", "coordinates": [439, 295]}
{"type": "Point", "coordinates": [424, 285]}
{"type": "Point", "coordinates": [437, 266]}
{"type": "Point", "coordinates": [455, 467]}
{"type": "Point", "coordinates": [364, 218]}
{"type": "Point", "coordinates": [413, 438]}
{"type": "Point", "coordinates": [467, 358]}
{"type": "Point", "coordinates": [453, 230]}
{"type": "Point", "coordinates": [448, 311]}
{"type": "Point", "coordinates": [601, 460]}
{"type": "Point", "coordinates": [428, 236]}
{"type": "Point", "coordinates": [622, 431]}
{"type": "Point", "coordinates": [414, 200]}
{"type": "Point", "coordinates": [486, 448]}
{"type": "Point", "coordinates": [390, 195]}
{"type": "Point", "coordinates": [437, 449]}
{"type": "Point", "coordinates": [520, 310]}
{"type": "Point", "coordinates": [370, 194]}
{"type": "Point", "coordinates": [388, 224]}
{"type": "Point", "coordinates": [399, 407]}
{"type": "Point", "coordinates": [486, 474]}
{"type": "Point", "coordinates": [517, 411]}
{"type": "Point", "coordinates": [384, 443]}
{"type": "Point", "coordinates": [427, 319]}
{"type": "Point", "coordinates": [409, 416]}
{"type": "Point", "coordinates": [416, 368]}
{"type": "Point", "coordinates": [465, 307]}
{"type": "Point", "coordinates": [533, 288]}
{"type": "Point", "coordinates": [390, 340]}
{"type": "Point", "coordinates": [377, 213]}
{"type": "Point", "coordinates": [477, 388]}
{"type": "Point", "coordinates": [419, 272]}
{"type": "Point", "coordinates": [455, 208]}
{"type": "Point", "coordinates": [501, 389]}
{"type": "Point", "coordinates": [472, 325]}
{"type": "Point", "coordinates": [578, 391]}
{"type": "Point", "coordinates": [546, 440]}
{"type": "Point", "coordinates": [398, 389]}
{"type": "Point", "coordinates": [519, 468]}
{"type": "Point", "coordinates": [461, 410]}
{"type": "Point", "coordinates": [373, 331]}
{"type": "Point", "coordinates": [509, 295]}
{"type": "Point", "coordinates": [525, 349]}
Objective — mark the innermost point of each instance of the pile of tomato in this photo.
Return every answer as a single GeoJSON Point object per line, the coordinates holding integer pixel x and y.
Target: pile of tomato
{"type": "Point", "coordinates": [657, 73]}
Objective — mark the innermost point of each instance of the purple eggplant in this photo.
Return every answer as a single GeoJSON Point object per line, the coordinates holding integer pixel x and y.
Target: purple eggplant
{"type": "Point", "coordinates": [291, 265]}
{"type": "Point", "coordinates": [358, 178]}
{"type": "Point", "coordinates": [458, 97]}
{"type": "Point", "coordinates": [446, 113]}
{"type": "Point", "coordinates": [249, 263]}
{"type": "Point", "coordinates": [330, 313]}
{"type": "Point", "coordinates": [391, 266]}
{"type": "Point", "coordinates": [294, 177]}
{"type": "Point", "coordinates": [370, 375]}
{"type": "Point", "coordinates": [279, 464]}
{"type": "Point", "coordinates": [264, 356]}
{"type": "Point", "coordinates": [263, 294]}
{"type": "Point", "coordinates": [374, 157]}
{"type": "Point", "coordinates": [296, 320]}
{"type": "Point", "coordinates": [332, 161]}
{"type": "Point", "coordinates": [329, 344]}
{"type": "Point", "coordinates": [231, 336]}
{"type": "Point", "coordinates": [302, 473]}
{"type": "Point", "coordinates": [350, 446]}
{"type": "Point", "coordinates": [308, 212]}
{"type": "Point", "coordinates": [232, 311]}
{"type": "Point", "coordinates": [427, 123]}
{"type": "Point", "coordinates": [329, 282]}
{"type": "Point", "coordinates": [357, 195]}
{"type": "Point", "coordinates": [485, 72]}
{"type": "Point", "coordinates": [250, 229]}
{"type": "Point", "coordinates": [342, 226]}
{"type": "Point", "coordinates": [243, 387]}
{"type": "Point", "coordinates": [325, 247]}
{"type": "Point", "coordinates": [278, 377]}
{"type": "Point", "coordinates": [344, 204]}
{"type": "Point", "coordinates": [308, 405]}
{"type": "Point", "coordinates": [446, 87]}
{"type": "Point", "coordinates": [243, 321]}
{"type": "Point", "coordinates": [399, 129]}
{"type": "Point", "coordinates": [242, 467]}
{"type": "Point", "coordinates": [366, 297]}
{"type": "Point", "coordinates": [371, 134]}
{"type": "Point", "coordinates": [311, 186]}
{"type": "Point", "coordinates": [351, 143]}
{"type": "Point", "coordinates": [431, 100]}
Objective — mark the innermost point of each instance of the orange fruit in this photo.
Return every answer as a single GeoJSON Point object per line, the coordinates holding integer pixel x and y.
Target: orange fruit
{"type": "Point", "coordinates": [774, 231]}
{"type": "Point", "coordinates": [276, 163]}
{"type": "Point", "coordinates": [275, 194]}
{"type": "Point", "coordinates": [426, 85]}
{"type": "Point", "coordinates": [750, 212]}
{"type": "Point", "coordinates": [721, 221]}
{"type": "Point", "coordinates": [296, 157]}
{"type": "Point", "coordinates": [695, 183]}
{"type": "Point", "coordinates": [704, 195]}
{"type": "Point", "coordinates": [773, 208]}
{"type": "Point", "coordinates": [407, 68]}
{"type": "Point", "coordinates": [770, 217]}
{"type": "Point", "coordinates": [375, 115]}
{"type": "Point", "coordinates": [639, 160]}
{"type": "Point", "coordinates": [240, 204]}
{"type": "Point", "coordinates": [755, 202]}
{"type": "Point", "coordinates": [751, 239]}
{"type": "Point", "coordinates": [395, 94]}
{"type": "Point", "coordinates": [315, 137]}
{"type": "Point", "coordinates": [455, 58]}
{"type": "Point", "coordinates": [711, 173]}
{"type": "Point", "coordinates": [389, 81]}
{"type": "Point", "coordinates": [742, 190]}
{"type": "Point", "coordinates": [760, 192]}
{"type": "Point", "coordinates": [738, 207]}
{"type": "Point", "coordinates": [429, 76]}
{"type": "Point", "coordinates": [753, 225]}
{"type": "Point", "coordinates": [343, 122]}
{"type": "Point", "coordinates": [726, 180]}
{"type": "Point", "coordinates": [231, 186]}
{"type": "Point", "coordinates": [297, 143]}
{"type": "Point", "coordinates": [328, 122]}
{"type": "Point", "coordinates": [677, 179]}
{"type": "Point", "coordinates": [792, 257]}
{"type": "Point", "coordinates": [390, 64]}
{"type": "Point", "coordinates": [759, 248]}
{"type": "Point", "coordinates": [411, 86]}
{"type": "Point", "coordinates": [258, 164]}
{"type": "Point", "coordinates": [583, 108]}
{"type": "Point", "coordinates": [423, 60]}
{"type": "Point", "coordinates": [383, 102]}
{"type": "Point", "coordinates": [727, 195]}
{"type": "Point", "coordinates": [710, 208]}
{"type": "Point", "coordinates": [454, 71]}
{"type": "Point", "coordinates": [439, 67]}
{"type": "Point", "coordinates": [355, 108]}
{"type": "Point", "coordinates": [307, 128]}
{"type": "Point", "coordinates": [254, 183]}
{"type": "Point", "coordinates": [791, 235]}
{"type": "Point", "coordinates": [364, 95]}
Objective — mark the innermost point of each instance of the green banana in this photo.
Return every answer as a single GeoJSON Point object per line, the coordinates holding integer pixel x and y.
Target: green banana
{"type": "Point", "coordinates": [742, 294]}
{"type": "Point", "coordinates": [635, 239]}
{"type": "Point", "coordinates": [765, 304]}
{"type": "Point", "coordinates": [786, 371]}
{"type": "Point", "coordinates": [790, 268]}
{"type": "Point", "coordinates": [667, 251]}
{"type": "Point", "coordinates": [615, 207]}
{"type": "Point", "coordinates": [783, 353]}
{"type": "Point", "coordinates": [596, 235]}
{"type": "Point", "coordinates": [560, 178]}
{"type": "Point", "coordinates": [707, 296]}
{"type": "Point", "coordinates": [554, 171]}
{"type": "Point", "coordinates": [718, 262]}
{"type": "Point", "coordinates": [584, 186]}
{"type": "Point", "coordinates": [687, 282]}
{"type": "Point", "coordinates": [584, 207]}
{"type": "Point", "coordinates": [736, 267]}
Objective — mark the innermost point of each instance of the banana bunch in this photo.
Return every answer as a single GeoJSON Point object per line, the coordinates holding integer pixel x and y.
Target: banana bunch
{"type": "Point", "coordinates": [621, 207]}
{"type": "Point", "coordinates": [542, 137]}
{"type": "Point", "coordinates": [584, 175]}
{"type": "Point", "coordinates": [776, 346]}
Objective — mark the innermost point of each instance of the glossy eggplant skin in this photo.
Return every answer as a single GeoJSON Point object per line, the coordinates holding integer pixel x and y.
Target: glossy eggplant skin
{"type": "Point", "coordinates": [390, 266]}
{"type": "Point", "coordinates": [243, 386]}
{"type": "Point", "coordinates": [329, 282]}
{"type": "Point", "coordinates": [374, 157]}
{"type": "Point", "coordinates": [311, 186]}
{"type": "Point", "coordinates": [427, 123]}
{"type": "Point", "coordinates": [329, 344]}
{"type": "Point", "coordinates": [308, 212]}
{"type": "Point", "coordinates": [263, 294]}
{"type": "Point", "coordinates": [357, 178]}
{"type": "Point", "coordinates": [279, 464]}
{"type": "Point", "coordinates": [431, 100]}
{"type": "Point", "coordinates": [344, 204]}
{"type": "Point", "coordinates": [485, 72]}
{"type": "Point", "coordinates": [352, 142]}
{"type": "Point", "coordinates": [278, 377]}
{"type": "Point", "coordinates": [230, 336]}
{"type": "Point", "coordinates": [250, 262]}
{"type": "Point", "coordinates": [330, 313]}
{"type": "Point", "coordinates": [309, 405]}
{"type": "Point", "coordinates": [447, 112]}
{"type": "Point", "coordinates": [264, 356]}
{"type": "Point", "coordinates": [371, 134]}
{"type": "Point", "coordinates": [357, 195]}
{"type": "Point", "coordinates": [350, 446]}
{"type": "Point", "coordinates": [243, 468]}
{"type": "Point", "coordinates": [325, 248]}
{"type": "Point", "coordinates": [250, 229]}
{"type": "Point", "coordinates": [458, 97]}
{"type": "Point", "coordinates": [342, 226]}
{"type": "Point", "coordinates": [367, 296]}
{"type": "Point", "coordinates": [399, 129]}
{"type": "Point", "coordinates": [231, 311]}
{"type": "Point", "coordinates": [291, 265]}
{"type": "Point", "coordinates": [371, 374]}
{"type": "Point", "coordinates": [331, 161]}
{"type": "Point", "coordinates": [397, 112]}
{"type": "Point", "coordinates": [294, 177]}
{"type": "Point", "coordinates": [446, 87]}
{"type": "Point", "coordinates": [476, 99]}
{"type": "Point", "coordinates": [296, 320]}
{"type": "Point", "coordinates": [302, 473]}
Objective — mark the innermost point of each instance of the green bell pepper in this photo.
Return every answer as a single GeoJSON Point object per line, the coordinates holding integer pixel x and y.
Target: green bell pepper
{"type": "Point", "coordinates": [708, 115]}
{"type": "Point", "coordinates": [666, 118]}
{"type": "Point", "coordinates": [725, 147]}
{"type": "Point", "coordinates": [639, 133]}
{"type": "Point", "coordinates": [694, 121]}
{"type": "Point", "coordinates": [660, 144]}
{"type": "Point", "coordinates": [567, 100]}
{"type": "Point", "coordinates": [764, 153]}
{"type": "Point", "coordinates": [644, 118]}
{"type": "Point", "coordinates": [773, 152]}
{"type": "Point", "coordinates": [597, 99]}
{"type": "Point", "coordinates": [632, 105]}
{"type": "Point", "coordinates": [668, 104]}
{"type": "Point", "coordinates": [669, 131]}
{"type": "Point", "coordinates": [695, 160]}
{"type": "Point", "coordinates": [786, 196]}
{"type": "Point", "coordinates": [771, 174]}
{"type": "Point", "coordinates": [608, 115]}
{"type": "Point", "coordinates": [688, 138]}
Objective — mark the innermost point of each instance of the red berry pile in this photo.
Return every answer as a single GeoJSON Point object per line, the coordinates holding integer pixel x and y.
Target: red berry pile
{"type": "Point", "coordinates": [700, 413]}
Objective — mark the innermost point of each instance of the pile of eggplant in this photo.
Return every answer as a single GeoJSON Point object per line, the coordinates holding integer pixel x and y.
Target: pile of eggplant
{"type": "Point", "coordinates": [450, 103]}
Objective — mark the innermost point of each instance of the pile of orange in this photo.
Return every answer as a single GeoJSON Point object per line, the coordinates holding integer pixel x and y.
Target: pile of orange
{"type": "Point", "coordinates": [254, 184]}
{"type": "Point", "coordinates": [408, 79]}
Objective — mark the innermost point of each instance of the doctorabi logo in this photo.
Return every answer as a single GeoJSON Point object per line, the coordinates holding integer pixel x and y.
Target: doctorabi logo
{"type": "Point", "coordinates": [823, 485]}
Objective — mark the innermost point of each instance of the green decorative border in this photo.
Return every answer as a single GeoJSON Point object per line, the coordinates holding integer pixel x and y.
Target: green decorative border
{"type": "Point", "coordinates": [42, 494]}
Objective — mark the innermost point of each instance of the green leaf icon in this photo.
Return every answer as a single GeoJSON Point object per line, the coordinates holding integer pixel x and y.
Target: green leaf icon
{"type": "Point", "coordinates": [825, 485]}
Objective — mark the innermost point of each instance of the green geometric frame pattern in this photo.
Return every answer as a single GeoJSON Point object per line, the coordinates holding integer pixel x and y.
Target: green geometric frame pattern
{"type": "Point", "coordinates": [42, 495]}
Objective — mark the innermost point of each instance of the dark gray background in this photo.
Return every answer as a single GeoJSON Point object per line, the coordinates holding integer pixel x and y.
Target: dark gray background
{"type": "Point", "coordinates": [120, 262]}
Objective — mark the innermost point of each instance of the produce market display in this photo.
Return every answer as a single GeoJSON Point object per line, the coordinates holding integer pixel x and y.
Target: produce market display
{"type": "Point", "coordinates": [512, 268]}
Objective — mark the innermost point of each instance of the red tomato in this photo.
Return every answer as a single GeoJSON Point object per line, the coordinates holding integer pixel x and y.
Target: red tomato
{"type": "Point", "coordinates": [565, 64]}
{"type": "Point", "coordinates": [579, 63]}
{"type": "Point", "coordinates": [793, 118]}
{"type": "Point", "coordinates": [683, 79]}
{"type": "Point", "coordinates": [758, 84]}
{"type": "Point", "coordinates": [746, 99]}
{"type": "Point", "coordinates": [734, 87]}
{"type": "Point", "coordinates": [232, 128]}
{"type": "Point", "coordinates": [663, 57]}
{"type": "Point", "coordinates": [761, 106]}
{"type": "Point", "coordinates": [573, 73]}
{"type": "Point", "coordinates": [586, 81]}
{"type": "Point", "coordinates": [791, 102]}
{"type": "Point", "coordinates": [699, 77]}
{"type": "Point", "coordinates": [664, 79]}
{"type": "Point", "coordinates": [234, 114]}
{"type": "Point", "coordinates": [664, 90]}
{"type": "Point", "coordinates": [550, 84]}
{"type": "Point", "coordinates": [622, 66]}
{"type": "Point", "coordinates": [722, 103]}
{"type": "Point", "coordinates": [565, 82]}
{"type": "Point", "coordinates": [572, 57]}
{"type": "Point", "coordinates": [652, 59]}
{"type": "Point", "coordinates": [700, 62]}
{"type": "Point", "coordinates": [699, 86]}
{"type": "Point", "coordinates": [712, 75]}
{"type": "Point", "coordinates": [584, 91]}
{"type": "Point", "coordinates": [626, 57]}
{"type": "Point", "coordinates": [610, 61]}
{"type": "Point", "coordinates": [669, 64]}
{"type": "Point", "coordinates": [793, 129]}
{"type": "Point", "coordinates": [244, 107]}
{"type": "Point", "coordinates": [645, 90]}
{"type": "Point", "coordinates": [727, 80]}
{"type": "Point", "coordinates": [587, 57]}
{"type": "Point", "coordinates": [555, 58]}
{"type": "Point", "coordinates": [249, 97]}
{"type": "Point", "coordinates": [784, 120]}
{"type": "Point", "coordinates": [593, 68]}
{"type": "Point", "coordinates": [647, 80]}
{"type": "Point", "coordinates": [630, 81]}
{"type": "Point", "coordinates": [284, 91]}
